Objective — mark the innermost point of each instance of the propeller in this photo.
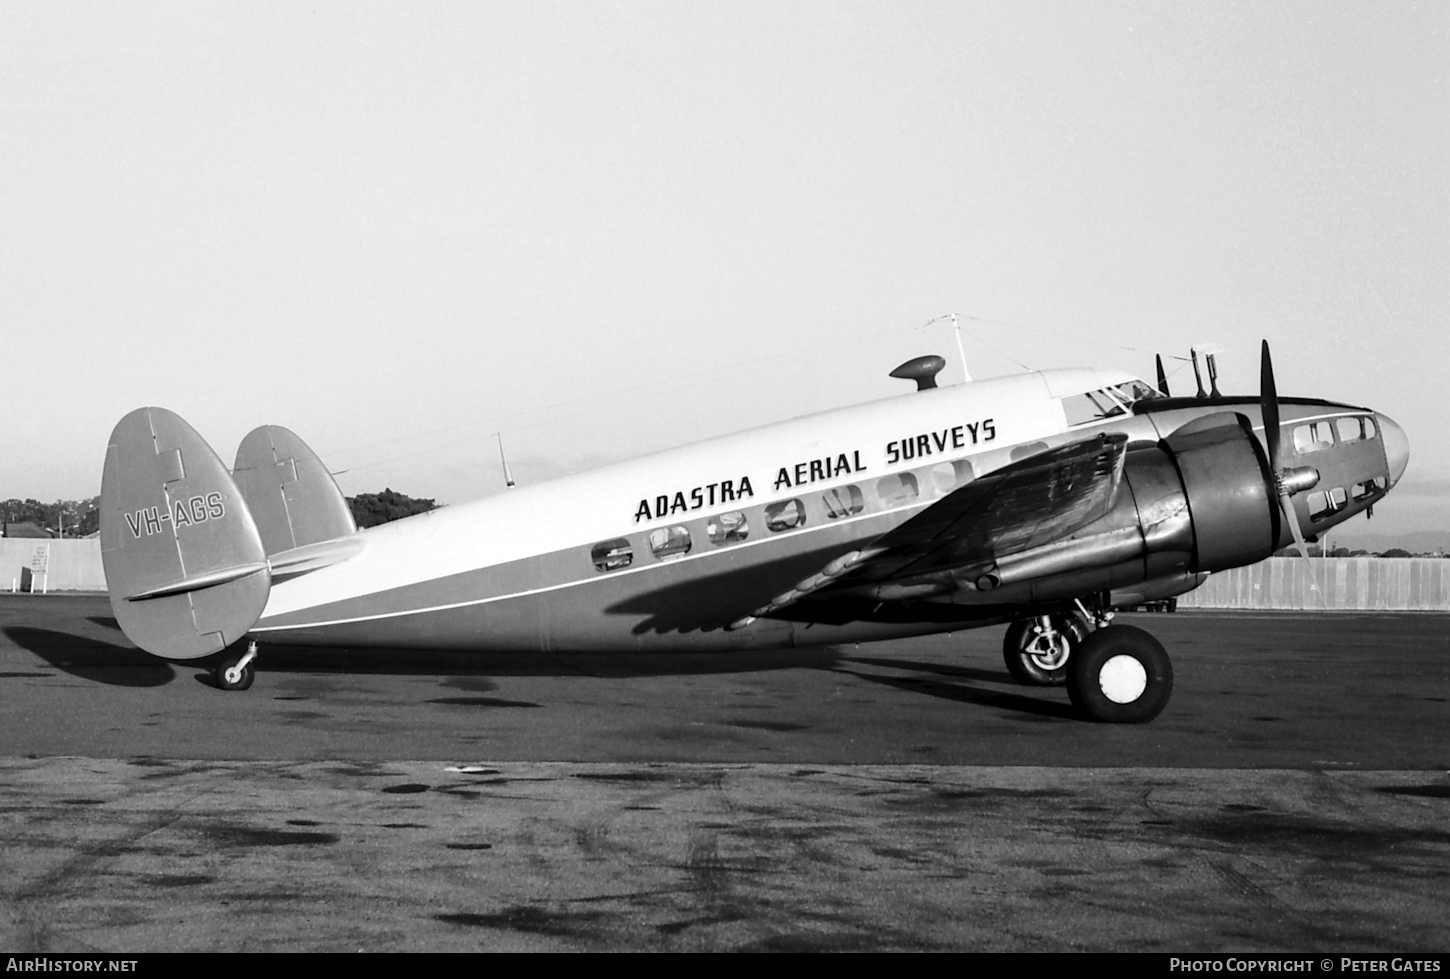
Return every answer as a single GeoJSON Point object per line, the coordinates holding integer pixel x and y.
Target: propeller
{"type": "Point", "coordinates": [1287, 480]}
{"type": "Point", "coordinates": [1162, 377]}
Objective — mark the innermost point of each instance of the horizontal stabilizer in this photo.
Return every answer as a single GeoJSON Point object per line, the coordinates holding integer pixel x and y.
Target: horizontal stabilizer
{"type": "Point", "coordinates": [313, 557]}
{"type": "Point", "coordinates": [221, 576]}
{"type": "Point", "coordinates": [183, 560]}
{"type": "Point", "coordinates": [293, 498]}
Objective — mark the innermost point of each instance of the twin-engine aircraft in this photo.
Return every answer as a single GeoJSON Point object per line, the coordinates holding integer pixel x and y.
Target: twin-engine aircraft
{"type": "Point", "coordinates": [1043, 500]}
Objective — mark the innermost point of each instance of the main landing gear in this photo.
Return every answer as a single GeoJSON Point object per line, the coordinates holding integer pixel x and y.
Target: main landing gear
{"type": "Point", "coordinates": [1037, 650]}
{"type": "Point", "coordinates": [235, 671]}
{"type": "Point", "coordinates": [1121, 675]}
{"type": "Point", "coordinates": [1118, 674]}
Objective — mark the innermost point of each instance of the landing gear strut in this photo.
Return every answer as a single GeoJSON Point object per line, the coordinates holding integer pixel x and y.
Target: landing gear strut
{"type": "Point", "coordinates": [1037, 650]}
{"type": "Point", "coordinates": [235, 671]}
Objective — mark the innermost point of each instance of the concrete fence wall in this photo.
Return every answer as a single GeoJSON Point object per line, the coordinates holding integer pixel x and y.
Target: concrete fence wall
{"type": "Point", "coordinates": [1368, 583]}
{"type": "Point", "coordinates": [1412, 584]}
{"type": "Point", "coordinates": [71, 565]}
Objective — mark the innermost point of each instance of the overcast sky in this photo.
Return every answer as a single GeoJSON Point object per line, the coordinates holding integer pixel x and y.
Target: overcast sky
{"type": "Point", "coordinates": [608, 228]}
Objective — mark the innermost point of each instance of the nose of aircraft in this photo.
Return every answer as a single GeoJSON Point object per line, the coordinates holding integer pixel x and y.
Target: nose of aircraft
{"type": "Point", "coordinates": [1397, 448]}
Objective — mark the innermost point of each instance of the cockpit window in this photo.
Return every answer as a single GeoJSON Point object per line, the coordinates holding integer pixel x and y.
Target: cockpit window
{"type": "Point", "coordinates": [1355, 428]}
{"type": "Point", "coordinates": [1131, 392]}
{"type": "Point", "coordinates": [1313, 437]}
{"type": "Point", "coordinates": [1090, 407]}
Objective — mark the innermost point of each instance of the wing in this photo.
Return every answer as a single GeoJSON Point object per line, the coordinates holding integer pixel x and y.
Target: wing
{"type": "Point", "coordinates": [1018, 507]}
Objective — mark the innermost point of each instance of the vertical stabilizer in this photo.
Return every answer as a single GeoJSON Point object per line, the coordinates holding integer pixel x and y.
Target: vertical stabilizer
{"type": "Point", "coordinates": [184, 562]}
{"type": "Point", "coordinates": [293, 498]}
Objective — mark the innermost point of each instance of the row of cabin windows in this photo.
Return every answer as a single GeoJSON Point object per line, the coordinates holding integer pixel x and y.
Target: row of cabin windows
{"type": "Point", "coordinates": [1320, 435]}
{"type": "Point", "coordinates": [1326, 503]}
{"type": "Point", "coordinates": [894, 490]}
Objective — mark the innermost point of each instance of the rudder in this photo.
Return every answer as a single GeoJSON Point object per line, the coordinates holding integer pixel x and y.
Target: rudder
{"type": "Point", "coordinates": [291, 495]}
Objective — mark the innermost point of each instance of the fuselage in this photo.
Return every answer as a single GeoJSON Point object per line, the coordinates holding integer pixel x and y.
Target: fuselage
{"type": "Point", "coordinates": [666, 551]}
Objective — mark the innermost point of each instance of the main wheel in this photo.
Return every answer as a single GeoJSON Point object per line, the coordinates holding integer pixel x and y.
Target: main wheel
{"type": "Point", "coordinates": [1120, 675]}
{"type": "Point", "coordinates": [1038, 657]}
{"type": "Point", "coordinates": [230, 676]}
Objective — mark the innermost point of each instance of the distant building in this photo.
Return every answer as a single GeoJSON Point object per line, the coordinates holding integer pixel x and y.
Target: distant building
{"type": "Point", "coordinates": [27, 530]}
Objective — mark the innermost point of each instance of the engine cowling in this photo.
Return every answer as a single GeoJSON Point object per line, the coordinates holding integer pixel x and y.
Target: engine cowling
{"type": "Point", "coordinates": [1229, 489]}
{"type": "Point", "coordinates": [1201, 500]}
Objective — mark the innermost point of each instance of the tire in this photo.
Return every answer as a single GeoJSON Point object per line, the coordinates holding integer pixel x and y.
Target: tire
{"type": "Point", "coordinates": [1037, 661]}
{"type": "Point", "coordinates": [1120, 675]}
{"type": "Point", "coordinates": [248, 674]}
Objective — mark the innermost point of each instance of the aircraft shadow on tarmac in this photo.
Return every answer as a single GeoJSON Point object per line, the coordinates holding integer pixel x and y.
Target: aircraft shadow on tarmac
{"type": "Point", "coordinates": [93, 659]}
{"type": "Point", "coordinates": [86, 656]}
{"type": "Point", "coordinates": [99, 661]}
{"type": "Point", "coordinates": [960, 692]}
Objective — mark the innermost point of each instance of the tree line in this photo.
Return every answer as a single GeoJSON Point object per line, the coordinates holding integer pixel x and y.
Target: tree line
{"type": "Point", "coordinates": [81, 518]}
{"type": "Point", "coordinates": [77, 518]}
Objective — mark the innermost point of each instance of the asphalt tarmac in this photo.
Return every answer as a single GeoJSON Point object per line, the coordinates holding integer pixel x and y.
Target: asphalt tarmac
{"type": "Point", "coordinates": [908, 795]}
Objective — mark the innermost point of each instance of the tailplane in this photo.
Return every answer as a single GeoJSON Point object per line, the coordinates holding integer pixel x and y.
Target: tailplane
{"type": "Point", "coordinates": [184, 561]}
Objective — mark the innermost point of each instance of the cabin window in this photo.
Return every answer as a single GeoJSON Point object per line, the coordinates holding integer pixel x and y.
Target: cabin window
{"type": "Point", "coordinates": [728, 528]}
{"type": "Point", "coordinates": [947, 476]}
{"type": "Point", "coordinates": [611, 555]}
{"type": "Point", "coordinates": [843, 501]}
{"type": "Point", "coordinates": [1368, 488]}
{"type": "Point", "coordinates": [1327, 503]}
{"type": "Point", "coordinates": [1318, 503]}
{"type": "Point", "coordinates": [785, 515]}
{"type": "Point", "coordinates": [1312, 438]}
{"type": "Point", "coordinates": [668, 543]}
{"type": "Point", "coordinates": [1355, 429]}
{"type": "Point", "coordinates": [896, 489]}
{"type": "Point", "coordinates": [1093, 406]}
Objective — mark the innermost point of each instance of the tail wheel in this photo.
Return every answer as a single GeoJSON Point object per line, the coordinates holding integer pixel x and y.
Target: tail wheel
{"type": "Point", "coordinates": [1121, 675]}
{"type": "Point", "coordinates": [235, 670]}
{"type": "Point", "coordinates": [1037, 650]}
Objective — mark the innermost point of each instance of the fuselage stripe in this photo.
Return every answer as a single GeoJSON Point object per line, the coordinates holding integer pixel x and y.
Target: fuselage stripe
{"type": "Point", "coordinates": [599, 577]}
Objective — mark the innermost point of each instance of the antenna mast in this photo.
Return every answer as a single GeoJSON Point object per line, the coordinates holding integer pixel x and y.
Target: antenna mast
{"type": "Point", "coordinates": [508, 477]}
{"type": "Point", "coordinates": [956, 328]}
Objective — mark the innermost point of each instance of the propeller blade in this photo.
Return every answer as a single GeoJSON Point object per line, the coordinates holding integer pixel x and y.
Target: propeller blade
{"type": "Point", "coordinates": [1162, 377]}
{"type": "Point", "coordinates": [1287, 506]}
{"type": "Point", "coordinates": [1269, 402]}
{"type": "Point", "coordinates": [1299, 542]}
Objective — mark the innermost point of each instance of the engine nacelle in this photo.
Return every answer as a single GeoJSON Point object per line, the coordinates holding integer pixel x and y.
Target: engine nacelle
{"type": "Point", "coordinates": [1229, 488]}
{"type": "Point", "coordinates": [1201, 500]}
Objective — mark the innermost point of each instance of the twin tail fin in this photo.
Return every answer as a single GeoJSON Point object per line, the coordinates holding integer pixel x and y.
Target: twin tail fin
{"type": "Point", "coordinates": [190, 550]}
